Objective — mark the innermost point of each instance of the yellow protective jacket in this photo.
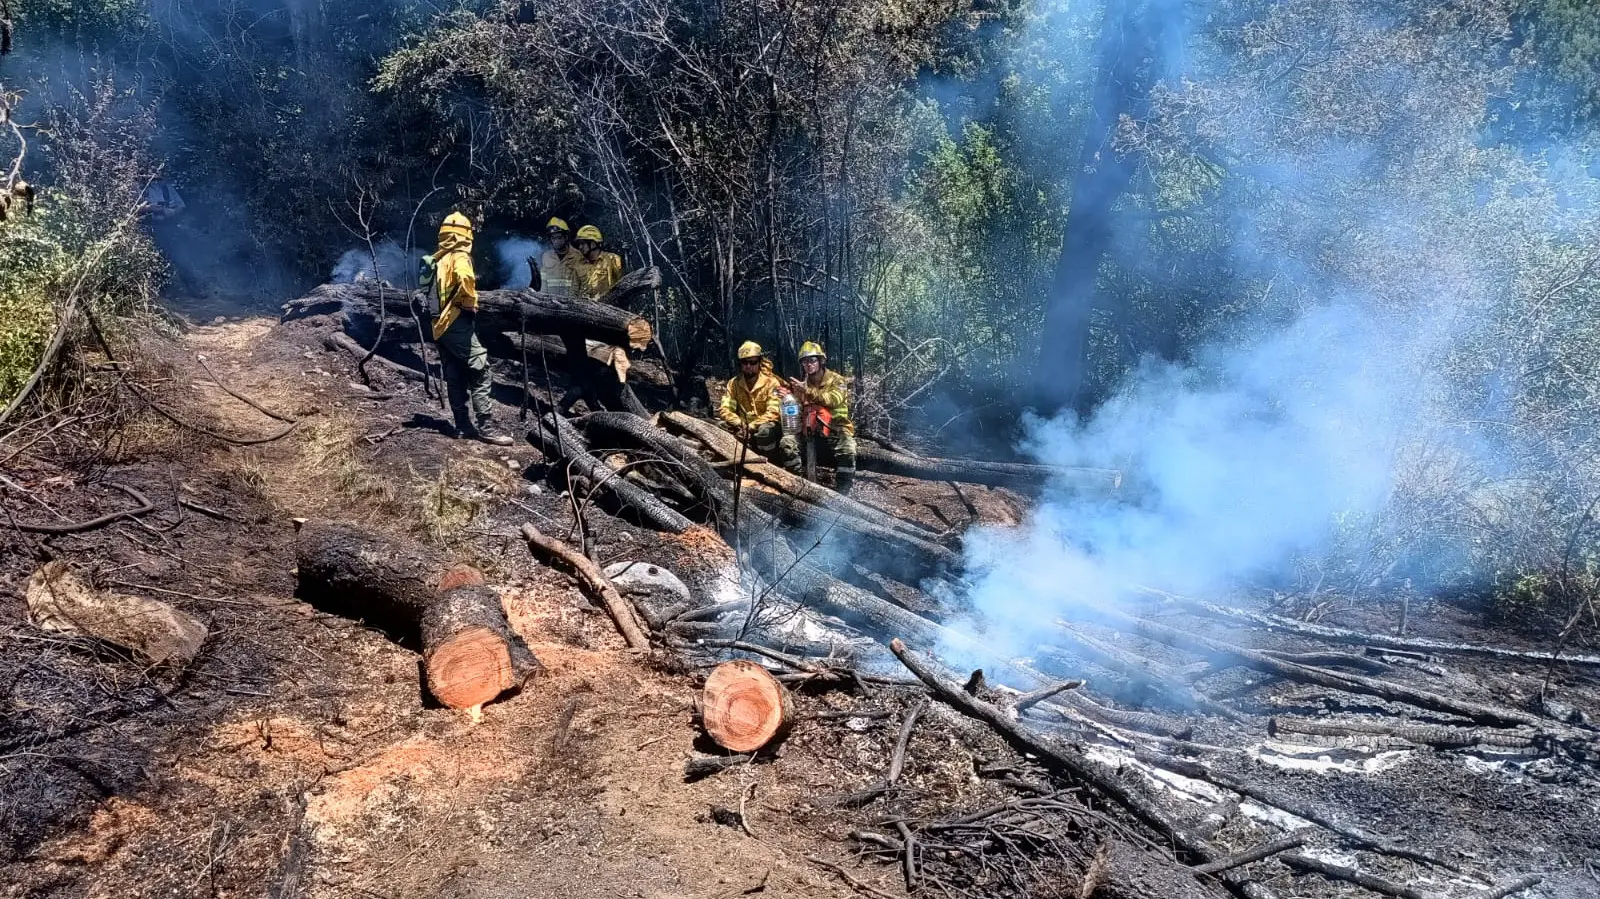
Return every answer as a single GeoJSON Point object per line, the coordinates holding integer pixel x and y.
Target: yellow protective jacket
{"type": "Point", "coordinates": [594, 279]}
{"type": "Point", "coordinates": [756, 405]}
{"type": "Point", "coordinates": [832, 392]}
{"type": "Point", "coordinates": [458, 283]}
{"type": "Point", "coordinates": [555, 272]}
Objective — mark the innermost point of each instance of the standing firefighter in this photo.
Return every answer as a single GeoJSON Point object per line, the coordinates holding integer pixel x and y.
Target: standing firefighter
{"type": "Point", "coordinates": [751, 407]}
{"type": "Point", "coordinates": [465, 362]}
{"type": "Point", "coordinates": [552, 270]}
{"type": "Point", "coordinates": [595, 270]}
{"type": "Point", "coordinates": [826, 416]}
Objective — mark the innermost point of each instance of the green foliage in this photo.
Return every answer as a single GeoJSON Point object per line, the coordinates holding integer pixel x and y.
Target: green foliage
{"type": "Point", "coordinates": [115, 19]}
{"type": "Point", "coordinates": [84, 238]}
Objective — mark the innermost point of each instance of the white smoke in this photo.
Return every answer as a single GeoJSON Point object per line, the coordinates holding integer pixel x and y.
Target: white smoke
{"type": "Point", "coordinates": [1254, 457]}
{"type": "Point", "coordinates": [393, 265]}
{"type": "Point", "coordinates": [513, 253]}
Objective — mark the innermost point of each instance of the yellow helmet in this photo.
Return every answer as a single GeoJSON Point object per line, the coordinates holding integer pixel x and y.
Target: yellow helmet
{"type": "Point", "coordinates": [456, 224]}
{"type": "Point", "coordinates": [811, 348]}
{"type": "Point", "coordinates": [749, 350]}
{"type": "Point", "coordinates": [556, 224]}
{"type": "Point", "coordinates": [590, 232]}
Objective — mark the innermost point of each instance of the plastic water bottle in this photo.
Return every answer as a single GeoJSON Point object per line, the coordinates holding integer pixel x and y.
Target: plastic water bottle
{"type": "Point", "coordinates": [791, 413]}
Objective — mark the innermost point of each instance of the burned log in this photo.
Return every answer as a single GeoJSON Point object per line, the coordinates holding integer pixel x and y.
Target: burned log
{"type": "Point", "coordinates": [1077, 765]}
{"type": "Point", "coordinates": [744, 707]}
{"type": "Point", "coordinates": [510, 310]}
{"type": "Point", "coordinates": [1381, 641]}
{"type": "Point", "coordinates": [1357, 835]}
{"type": "Point", "coordinates": [994, 474]}
{"type": "Point", "coordinates": [558, 439]}
{"type": "Point", "coordinates": [469, 652]}
{"type": "Point", "coordinates": [1481, 713]}
{"type": "Point", "coordinates": [1145, 673]}
{"type": "Point", "coordinates": [339, 341]}
{"type": "Point", "coordinates": [726, 448]}
{"type": "Point", "coordinates": [900, 555]}
{"type": "Point", "coordinates": [1438, 736]}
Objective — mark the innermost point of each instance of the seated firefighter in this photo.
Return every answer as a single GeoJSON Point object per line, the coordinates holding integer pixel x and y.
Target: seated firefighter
{"type": "Point", "coordinates": [752, 407]}
{"type": "Point", "coordinates": [825, 417]}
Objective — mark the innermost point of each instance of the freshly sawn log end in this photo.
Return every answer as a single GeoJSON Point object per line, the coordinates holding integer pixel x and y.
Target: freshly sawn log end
{"type": "Point", "coordinates": [469, 653]}
{"type": "Point", "coordinates": [744, 707]}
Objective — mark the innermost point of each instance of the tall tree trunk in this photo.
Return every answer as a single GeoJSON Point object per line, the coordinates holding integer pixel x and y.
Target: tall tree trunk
{"type": "Point", "coordinates": [1128, 60]}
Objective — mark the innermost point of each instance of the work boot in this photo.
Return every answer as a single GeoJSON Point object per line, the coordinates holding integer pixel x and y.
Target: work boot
{"type": "Point", "coordinates": [486, 431]}
{"type": "Point", "coordinates": [843, 479]}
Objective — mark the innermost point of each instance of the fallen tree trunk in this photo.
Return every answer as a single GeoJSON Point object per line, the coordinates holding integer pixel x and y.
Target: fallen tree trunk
{"type": "Point", "coordinates": [1358, 836]}
{"type": "Point", "coordinates": [340, 341]}
{"type": "Point", "coordinates": [1382, 641]}
{"type": "Point", "coordinates": [1438, 736]}
{"type": "Point", "coordinates": [905, 556]}
{"type": "Point", "coordinates": [726, 448]}
{"type": "Point", "coordinates": [1145, 673]}
{"type": "Point", "coordinates": [1078, 766]}
{"type": "Point", "coordinates": [1499, 716]}
{"type": "Point", "coordinates": [993, 474]}
{"type": "Point", "coordinates": [558, 439]}
{"type": "Point", "coordinates": [512, 310]}
{"type": "Point", "coordinates": [900, 555]}
{"type": "Point", "coordinates": [469, 652]}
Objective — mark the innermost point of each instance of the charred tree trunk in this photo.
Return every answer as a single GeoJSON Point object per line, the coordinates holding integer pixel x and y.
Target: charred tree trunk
{"type": "Point", "coordinates": [726, 447]}
{"type": "Point", "coordinates": [469, 651]}
{"type": "Point", "coordinates": [994, 474]}
{"type": "Point", "coordinates": [560, 440]}
{"type": "Point", "coordinates": [512, 310]}
{"type": "Point", "coordinates": [1127, 57]}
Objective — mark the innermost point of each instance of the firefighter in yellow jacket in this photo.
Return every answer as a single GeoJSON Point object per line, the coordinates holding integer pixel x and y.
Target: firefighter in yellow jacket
{"type": "Point", "coordinates": [552, 269]}
{"type": "Point", "coordinates": [595, 270]}
{"type": "Point", "coordinates": [751, 407]}
{"type": "Point", "coordinates": [828, 389]}
{"type": "Point", "coordinates": [465, 362]}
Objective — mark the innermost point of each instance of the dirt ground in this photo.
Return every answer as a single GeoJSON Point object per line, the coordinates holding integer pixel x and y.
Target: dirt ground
{"type": "Point", "coordinates": [298, 756]}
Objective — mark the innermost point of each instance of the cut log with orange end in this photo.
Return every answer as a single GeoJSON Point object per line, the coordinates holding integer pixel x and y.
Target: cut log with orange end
{"type": "Point", "coordinates": [744, 707]}
{"type": "Point", "coordinates": [468, 652]}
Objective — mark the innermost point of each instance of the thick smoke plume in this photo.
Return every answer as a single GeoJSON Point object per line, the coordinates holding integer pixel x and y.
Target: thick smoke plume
{"type": "Point", "coordinates": [1374, 428]}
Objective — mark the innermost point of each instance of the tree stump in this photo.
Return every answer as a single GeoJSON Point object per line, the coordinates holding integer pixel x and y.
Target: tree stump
{"type": "Point", "coordinates": [744, 707]}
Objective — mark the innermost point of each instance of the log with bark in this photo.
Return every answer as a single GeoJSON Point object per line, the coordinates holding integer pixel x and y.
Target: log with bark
{"type": "Point", "coordinates": [559, 440]}
{"type": "Point", "coordinates": [470, 654]}
{"type": "Point", "coordinates": [725, 447]}
{"type": "Point", "coordinates": [744, 708]}
{"type": "Point", "coordinates": [510, 310]}
{"type": "Point", "coordinates": [994, 474]}
{"type": "Point", "coordinates": [1481, 713]}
